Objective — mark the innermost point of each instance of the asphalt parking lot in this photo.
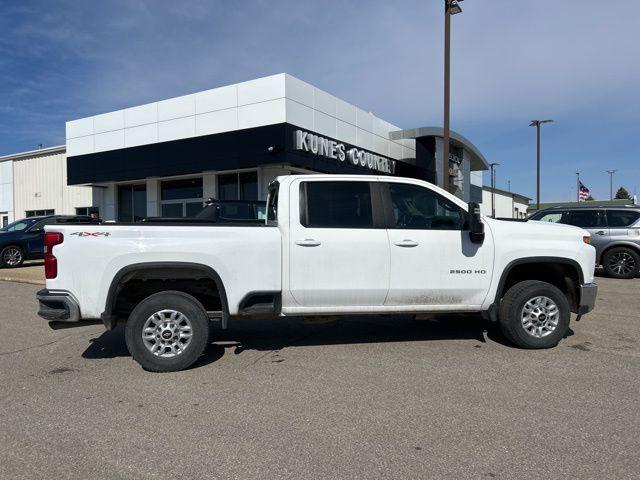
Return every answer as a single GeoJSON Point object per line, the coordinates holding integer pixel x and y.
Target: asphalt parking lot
{"type": "Point", "coordinates": [357, 398]}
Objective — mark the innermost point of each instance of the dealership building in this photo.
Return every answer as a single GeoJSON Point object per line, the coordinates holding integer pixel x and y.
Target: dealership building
{"type": "Point", "coordinates": [166, 158]}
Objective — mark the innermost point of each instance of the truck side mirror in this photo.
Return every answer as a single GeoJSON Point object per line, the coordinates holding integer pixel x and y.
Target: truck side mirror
{"type": "Point", "coordinates": [476, 227]}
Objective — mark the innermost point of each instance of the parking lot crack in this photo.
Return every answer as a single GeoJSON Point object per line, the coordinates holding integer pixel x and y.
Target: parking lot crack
{"type": "Point", "coordinates": [2, 354]}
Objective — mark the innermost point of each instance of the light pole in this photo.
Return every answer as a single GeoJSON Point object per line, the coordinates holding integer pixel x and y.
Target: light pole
{"type": "Point", "coordinates": [451, 7]}
{"type": "Point", "coordinates": [537, 123]}
{"type": "Point", "coordinates": [611, 172]}
{"type": "Point", "coordinates": [493, 188]}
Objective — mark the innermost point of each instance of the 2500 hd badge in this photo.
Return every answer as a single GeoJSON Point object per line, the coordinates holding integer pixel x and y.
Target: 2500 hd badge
{"type": "Point", "coordinates": [467, 272]}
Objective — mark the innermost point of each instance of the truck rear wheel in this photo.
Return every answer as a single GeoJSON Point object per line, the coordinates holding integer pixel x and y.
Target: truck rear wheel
{"type": "Point", "coordinates": [167, 331]}
{"type": "Point", "coordinates": [534, 314]}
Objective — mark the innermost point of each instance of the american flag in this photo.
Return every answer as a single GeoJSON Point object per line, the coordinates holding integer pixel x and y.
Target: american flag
{"type": "Point", "coordinates": [584, 193]}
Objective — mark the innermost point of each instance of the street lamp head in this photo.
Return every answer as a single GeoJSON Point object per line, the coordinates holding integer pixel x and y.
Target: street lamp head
{"type": "Point", "coordinates": [535, 123]}
{"type": "Point", "coordinates": [453, 6]}
{"type": "Point", "coordinates": [494, 164]}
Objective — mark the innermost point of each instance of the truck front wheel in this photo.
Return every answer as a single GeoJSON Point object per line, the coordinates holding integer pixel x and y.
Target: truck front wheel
{"type": "Point", "coordinates": [167, 331]}
{"type": "Point", "coordinates": [534, 314]}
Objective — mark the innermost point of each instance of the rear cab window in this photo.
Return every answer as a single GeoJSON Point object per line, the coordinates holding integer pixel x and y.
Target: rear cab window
{"type": "Point", "coordinates": [336, 204]}
{"type": "Point", "coordinates": [272, 202]}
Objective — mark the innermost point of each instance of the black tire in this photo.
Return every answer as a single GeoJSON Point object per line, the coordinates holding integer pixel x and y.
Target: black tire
{"type": "Point", "coordinates": [511, 314]}
{"type": "Point", "coordinates": [6, 254]}
{"type": "Point", "coordinates": [180, 302]}
{"type": "Point", "coordinates": [621, 262]}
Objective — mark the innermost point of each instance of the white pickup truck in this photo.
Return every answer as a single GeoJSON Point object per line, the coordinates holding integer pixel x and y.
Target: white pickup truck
{"type": "Point", "coordinates": [331, 245]}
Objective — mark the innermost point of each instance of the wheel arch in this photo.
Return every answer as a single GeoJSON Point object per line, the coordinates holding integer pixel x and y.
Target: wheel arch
{"type": "Point", "coordinates": [558, 266]}
{"type": "Point", "coordinates": [128, 272]}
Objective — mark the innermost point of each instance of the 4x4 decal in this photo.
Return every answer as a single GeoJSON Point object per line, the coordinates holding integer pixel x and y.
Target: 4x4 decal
{"type": "Point", "coordinates": [91, 234]}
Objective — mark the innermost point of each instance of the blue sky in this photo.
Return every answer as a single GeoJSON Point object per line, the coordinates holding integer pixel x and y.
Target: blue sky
{"type": "Point", "coordinates": [575, 61]}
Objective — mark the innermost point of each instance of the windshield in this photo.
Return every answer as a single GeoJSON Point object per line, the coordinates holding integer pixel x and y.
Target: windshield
{"type": "Point", "coordinates": [19, 225]}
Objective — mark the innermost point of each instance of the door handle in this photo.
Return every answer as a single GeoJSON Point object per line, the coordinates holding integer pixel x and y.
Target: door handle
{"type": "Point", "coordinates": [600, 232]}
{"type": "Point", "coordinates": [308, 242]}
{"type": "Point", "coordinates": [407, 243]}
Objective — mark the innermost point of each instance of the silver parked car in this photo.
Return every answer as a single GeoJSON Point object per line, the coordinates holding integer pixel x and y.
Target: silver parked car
{"type": "Point", "coordinates": [615, 232]}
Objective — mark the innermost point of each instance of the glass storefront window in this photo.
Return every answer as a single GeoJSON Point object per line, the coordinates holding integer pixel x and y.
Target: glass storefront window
{"type": "Point", "coordinates": [181, 189]}
{"type": "Point", "coordinates": [238, 186]}
{"type": "Point", "coordinates": [228, 186]}
{"type": "Point", "coordinates": [181, 198]}
{"type": "Point", "coordinates": [248, 182]}
{"type": "Point", "coordinates": [132, 203]}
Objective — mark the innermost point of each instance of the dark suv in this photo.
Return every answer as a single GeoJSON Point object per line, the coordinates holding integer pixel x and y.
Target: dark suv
{"type": "Point", "coordinates": [615, 233]}
{"type": "Point", "coordinates": [24, 239]}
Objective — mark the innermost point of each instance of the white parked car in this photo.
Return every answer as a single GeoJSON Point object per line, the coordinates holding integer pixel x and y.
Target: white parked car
{"type": "Point", "coordinates": [331, 245]}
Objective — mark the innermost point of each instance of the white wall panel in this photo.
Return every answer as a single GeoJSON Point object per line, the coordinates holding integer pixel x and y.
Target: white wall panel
{"type": "Point", "coordinates": [324, 124]}
{"type": "Point", "coordinates": [395, 150]}
{"type": "Point", "coordinates": [323, 101]}
{"type": "Point", "coordinates": [80, 145]}
{"type": "Point", "coordinates": [141, 115]}
{"type": "Point", "coordinates": [80, 128]}
{"type": "Point", "coordinates": [299, 91]}
{"type": "Point", "coordinates": [264, 113]}
{"type": "Point", "coordinates": [364, 139]}
{"type": "Point", "coordinates": [346, 132]}
{"type": "Point", "coordinates": [142, 135]}
{"type": "Point", "coordinates": [299, 115]}
{"type": "Point", "coordinates": [261, 90]}
{"type": "Point", "coordinates": [177, 129]}
{"type": "Point", "coordinates": [108, 122]}
{"type": "Point", "coordinates": [176, 108]}
{"type": "Point", "coordinates": [108, 141]}
{"type": "Point", "coordinates": [381, 145]}
{"type": "Point", "coordinates": [364, 120]}
{"type": "Point", "coordinates": [217, 99]}
{"type": "Point", "coordinates": [216, 122]}
{"type": "Point", "coordinates": [345, 111]}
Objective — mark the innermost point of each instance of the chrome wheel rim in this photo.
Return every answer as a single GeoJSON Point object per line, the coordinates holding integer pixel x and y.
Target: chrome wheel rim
{"type": "Point", "coordinates": [540, 316]}
{"type": "Point", "coordinates": [622, 263]}
{"type": "Point", "coordinates": [11, 256]}
{"type": "Point", "coordinates": [167, 333]}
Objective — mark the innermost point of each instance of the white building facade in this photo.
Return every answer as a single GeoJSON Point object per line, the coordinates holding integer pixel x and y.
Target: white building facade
{"type": "Point", "coordinates": [35, 183]}
{"type": "Point", "coordinates": [165, 158]}
{"type": "Point", "coordinates": [507, 204]}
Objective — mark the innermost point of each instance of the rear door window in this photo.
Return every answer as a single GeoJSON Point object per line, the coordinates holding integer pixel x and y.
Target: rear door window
{"type": "Point", "coordinates": [586, 218]}
{"type": "Point", "coordinates": [622, 218]}
{"type": "Point", "coordinates": [336, 205]}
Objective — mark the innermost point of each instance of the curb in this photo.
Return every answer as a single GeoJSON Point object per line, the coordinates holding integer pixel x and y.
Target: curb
{"type": "Point", "coordinates": [20, 280]}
